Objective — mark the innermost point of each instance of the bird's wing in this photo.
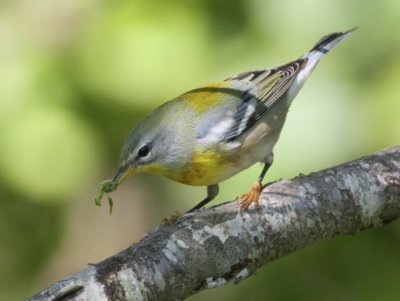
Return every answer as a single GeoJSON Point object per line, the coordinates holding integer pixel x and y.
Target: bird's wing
{"type": "Point", "coordinates": [265, 88]}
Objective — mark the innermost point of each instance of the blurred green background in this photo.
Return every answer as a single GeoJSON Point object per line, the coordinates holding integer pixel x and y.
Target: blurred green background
{"type": "Point", "coordinates": [77, 75]}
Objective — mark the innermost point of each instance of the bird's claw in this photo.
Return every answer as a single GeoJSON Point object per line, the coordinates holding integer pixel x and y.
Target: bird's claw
{"type": "Point", "coordinates": [246, 199]}
{"type": "Point", "coordinates": [171, 219]}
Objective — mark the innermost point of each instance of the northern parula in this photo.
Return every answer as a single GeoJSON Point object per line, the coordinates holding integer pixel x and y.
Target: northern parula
{"type": "Point", "coordinates": [211, 133]}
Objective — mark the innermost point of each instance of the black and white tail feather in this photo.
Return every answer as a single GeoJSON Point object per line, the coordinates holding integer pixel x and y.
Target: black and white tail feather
{"type": "Point", "coordinates": [323, 46]}
{"type": "Point", "coordinates": [269, 85]}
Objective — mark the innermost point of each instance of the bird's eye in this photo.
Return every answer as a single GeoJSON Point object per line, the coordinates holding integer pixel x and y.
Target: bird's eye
{"type": "Point", "coordinates": [144, 151]}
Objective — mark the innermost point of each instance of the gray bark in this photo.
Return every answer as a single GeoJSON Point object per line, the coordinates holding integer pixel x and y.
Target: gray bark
{"type": "Point", "coordinates": [212, 247]}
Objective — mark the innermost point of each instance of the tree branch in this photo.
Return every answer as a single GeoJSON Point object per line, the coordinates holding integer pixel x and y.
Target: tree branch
{"type": "Point", "coordinates": [212, 247]}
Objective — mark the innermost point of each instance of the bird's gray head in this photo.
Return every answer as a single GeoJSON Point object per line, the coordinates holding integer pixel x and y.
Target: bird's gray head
{"type": "Point", "coordinates": [152, 146]}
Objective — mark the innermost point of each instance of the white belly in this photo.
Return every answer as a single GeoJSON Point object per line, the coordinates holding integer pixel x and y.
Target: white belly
{"type": "Point", "coordinates": [256, 145]}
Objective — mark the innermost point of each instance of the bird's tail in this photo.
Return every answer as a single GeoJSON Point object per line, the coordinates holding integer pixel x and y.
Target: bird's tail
{"type": "Point", "coordinates": [329, 41]}
{"type": "Point", "coordinates": [324, 45]}
{"type": "Point", "coordinates": [313, 56]}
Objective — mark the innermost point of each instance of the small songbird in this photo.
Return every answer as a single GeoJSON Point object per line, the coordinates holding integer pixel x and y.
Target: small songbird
{"type": "Point", "coordinates": [209, 134]}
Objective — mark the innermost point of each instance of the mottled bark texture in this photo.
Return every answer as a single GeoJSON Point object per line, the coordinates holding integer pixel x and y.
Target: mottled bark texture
{"type": "Point", "coordinates": [211, 247]}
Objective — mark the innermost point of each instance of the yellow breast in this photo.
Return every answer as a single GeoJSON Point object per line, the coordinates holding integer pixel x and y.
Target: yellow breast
{"type": "Point", "coordinates": [204, 168]}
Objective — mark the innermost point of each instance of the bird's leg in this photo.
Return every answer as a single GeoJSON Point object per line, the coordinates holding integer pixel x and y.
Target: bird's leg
{"type": "Point", "coordinates": [253, 196]}
{"type": "Point", "coordinates": [212, 192]}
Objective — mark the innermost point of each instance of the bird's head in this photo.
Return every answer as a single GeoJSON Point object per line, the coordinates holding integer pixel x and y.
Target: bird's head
{"type": "Point", "coordinates": [160, 144]}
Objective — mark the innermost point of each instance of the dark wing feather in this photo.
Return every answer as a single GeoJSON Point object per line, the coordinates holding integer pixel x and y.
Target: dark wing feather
{"type": "Point", "coordinates": [266, 89]}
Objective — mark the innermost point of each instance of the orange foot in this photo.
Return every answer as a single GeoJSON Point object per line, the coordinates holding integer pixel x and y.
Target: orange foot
{"type": "Point", "coordinates": [246, 199]}
{"type": "Point", "coordinates": [173, 218]}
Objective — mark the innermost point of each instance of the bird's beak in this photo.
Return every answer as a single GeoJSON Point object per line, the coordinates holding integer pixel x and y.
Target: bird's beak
{"type": "Point", "coordinates": [123, 172]}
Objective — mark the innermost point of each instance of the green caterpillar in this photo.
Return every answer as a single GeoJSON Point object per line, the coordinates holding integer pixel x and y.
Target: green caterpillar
{"type": "Point", "coordinates": [106, 186]}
